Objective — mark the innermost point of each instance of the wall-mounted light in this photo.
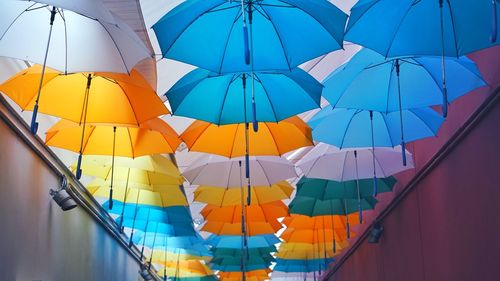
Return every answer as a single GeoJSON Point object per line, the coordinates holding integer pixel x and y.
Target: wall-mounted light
{"type": "Point", "coordinates": [144, 272]}
{"type": "Point", "coordinates": [375, 233]}
{"type": "Point", "coordinates": [61, 196]}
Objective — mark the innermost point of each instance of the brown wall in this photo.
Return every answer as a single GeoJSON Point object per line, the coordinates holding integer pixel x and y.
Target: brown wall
{"type": "Point", "coordinates": [448, 226]}
{"type": "Point", "coordinates": [38, 241]}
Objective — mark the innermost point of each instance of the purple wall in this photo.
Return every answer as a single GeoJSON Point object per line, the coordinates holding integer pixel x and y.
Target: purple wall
{"type": "Point", "coordinates": [448, 226]}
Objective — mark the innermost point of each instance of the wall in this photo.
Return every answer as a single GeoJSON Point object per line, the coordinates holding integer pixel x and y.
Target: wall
{"type": "Point", "coordinates": [38, 241]}
{"type": "Point", "coordinates": [447, 227]}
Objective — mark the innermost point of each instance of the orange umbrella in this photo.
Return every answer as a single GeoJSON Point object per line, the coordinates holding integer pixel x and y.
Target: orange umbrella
{"type": "Point", "coordinates": [252, 228]}
{"type": "Point", "coordinates": [260, 274]}
{"type": "Point", "coordinates": [261, 213]}
{"type": "Point", "coordinates": [229, 140]}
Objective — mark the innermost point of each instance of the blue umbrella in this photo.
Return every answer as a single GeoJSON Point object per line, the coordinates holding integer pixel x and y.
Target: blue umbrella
{"type": "Point", "coordinates": [219, 99]}
{"type": "Point", "coordinates": [289, 265]}
{"type": "Point", "coordinates": [234, 242]}
{"type": "Point", "coordinates": [282, 34]}
{"type": "Point", "coordinates": [426, 27]}
{"type": "Point", "coordinates": [353, 128]}
{"type": "Point", "coordinates": [370, 81]}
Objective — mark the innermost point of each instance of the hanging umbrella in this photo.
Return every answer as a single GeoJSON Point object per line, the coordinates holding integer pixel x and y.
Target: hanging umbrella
{"type": "Point", "coordinates": [353, 128]}
{"type": "Point", "coordinates": [222, 99]}
{"type": "Point", "coordinates": [260, 273]}
{"type": "Point", "coordinates": [82, 36]}
{"type": "Point", "coordinates": [427, 27]}
{"type": "Point", "coordinates": [399, 83]}
{"type": "Point", "coordinates": [319, 222]}
{"type": "Point", "coordinates": [151, 137]}
{"type": "Point", "coordinates": [314, 236]}
{"type": "Point", "coordinates": [213, 170]}
{"type": "Point", "coordinates": [327, 189]}
{"type": "Point", "coordinates": [272, 138]}
{"type": "Point", "coordinates": [234, 242]}
{"type": "Point", "coordinates": [252, 228]}
{"type": "Point", "coordinates": [298, 265]}
{"type": "Point", "coordinates": [161, 256]}
{"type": "Point", "coordinates": [328, 162]}
{"type": "Point", "coordinates": [232, 214]}
{"type": "Point", "coordinates": [261, 252]}
{"type": "Point", "coordinates": [95, 98]}
{"type": "Point", "coordinates": [214, 34]}
{"type": "Point", "coordinates": [313, 207]}
{"type": "Point", "coordinates": [231, 196]}
{"type": "Point", "coordinates": [235, 261]}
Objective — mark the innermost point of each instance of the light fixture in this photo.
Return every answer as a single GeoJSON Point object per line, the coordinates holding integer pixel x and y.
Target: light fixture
{"type": "Point", "coordinates": [144, 272]}
{"type": "Point", "coordinates": [61, 196]}
{"type": "Point", "coordinates": [375, 233]}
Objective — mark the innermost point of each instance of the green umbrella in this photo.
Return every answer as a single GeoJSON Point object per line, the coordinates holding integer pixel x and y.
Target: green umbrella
{"type": "Point", "coordinates": [323, 189]}
{"type": "Point", "coordinates": [235, 260]}
{"type": "Point", "coordinates": [314, 207]}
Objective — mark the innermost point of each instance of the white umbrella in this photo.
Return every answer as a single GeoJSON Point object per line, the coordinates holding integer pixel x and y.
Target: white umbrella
{"type": "Point", "coordinates": [70, 36]}
{"type": "Point", "coordinates": [325, 161]}
{"type": "Point", "coordinates": [220, 171]}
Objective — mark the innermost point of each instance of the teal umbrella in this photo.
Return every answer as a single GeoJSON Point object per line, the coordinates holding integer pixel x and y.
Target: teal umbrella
{"type": "Point", "coordinates": [322, 189]}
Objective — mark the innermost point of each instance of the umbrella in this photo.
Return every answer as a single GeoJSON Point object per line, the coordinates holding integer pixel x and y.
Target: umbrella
{"type": "Point", "coordinates": [328, 162]}
{"type": "Point", "coordinates": [214, 34]}
{"type": "Point", "coordinates": [319, 222]}
{"type": "Point", "coordinates": [314, 236]}
{"type": "Point", "coordinates": [161, 257]}
{"type": "Point", "coordinates": [272, 139]}
{"type": "Point", "coordinates": [260, 273]}
{"type": "Point", "coordinates": [235, 261]}
{"type": "Point", "coordinates": [327, 189]}
{"type": "Point", "coordinates": [231, 196]}
{"type": "Point", "coordinates": [213, 170]}
{"type": "Point", "coordinates": [261, 252]}
{"type": "Point", "coordinates": [234, 242]}
{"type": "Point", "coordinates": [252, 228]}
{"type": "Point", "coordinates": [232, 214]}
{"type": "Point", "coordinates": [353, 128]}
{"type": "Point", "coordinates": [82, 36]}
{"type": "Point", "coordinates": [372, 82]}
{"type": "Point", "coordinates": [222, 99]}
{"type": "Point", "coordinates": [151, 137]}
{"type": "Point", "coordinates": [299, 265]}
{"type": "Point", "coordinates": [426, 27]}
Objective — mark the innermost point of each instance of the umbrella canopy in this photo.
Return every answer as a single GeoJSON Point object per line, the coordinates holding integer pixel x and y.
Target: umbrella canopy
{"type": "Point", "coordinates": [261, 252]}
{"type": "Point", "coordinates": [152, 137]}
{"type": "Point", "coordinates": [221, 99]}
{"type": "Point", "coordinates": [397, 28]}
{"type": "Point", "coordinates": [234, 242]}
{"type": "Point", "coordinates": [186, 268]}
{"type": "Point", "coordinates": [254, 213]}
{"type": "Point", "coordinates": [111, 98]}
{"type": "Point", "coordinates": [322, 189]}
{"type": "Point", "coordinates": [308, 251]}
{"type": "Point", "coordinates": [271, 41]}
{"type": "Point", "coordinates": [329, 162]}
{"type": "Point", "coordinates": [146, 213]}
{"type": "Point", "coordinates": [213, 170]}
{"type": "Point", "coordinates": [84, 36]}
{"type": "Point", "coordinates": [319, 222]}
{"type": "Point", "coordinates": [315, 236]}
{"type": "Point", "coordinates": [271, 139]}
{"type": "Point", "coordinates": [348, 128]}
{"type": "Point", "coordinates": [261, 273]}
{"type": "Point", "coordinates": [370, 81]}
{"type": "Point", "coordinates": [235, 260]}
{"type": "Point", "coordinates": [313, 207]}
{"type": "Point", "coordinates": [162, 256]}
{"type": "Point", "coordinates": [167, 197]}
{"type": "Point", "coordinates": [298, 265]}
{"type": "Point", "coordinates": [230, 197]}
{"type": "Point", "coordinates": [252, 228]}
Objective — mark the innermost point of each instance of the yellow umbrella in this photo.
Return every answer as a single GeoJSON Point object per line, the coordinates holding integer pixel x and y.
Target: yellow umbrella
{"type": "Point", "coordinates": [161, 256]}
{"type": "Point", "coordinates": [110, 98]}
{"type": "Point", "coordinates": [229, 140]}
{"type": "Point", "coordinates": [185, 268]}
{"type": "Point", "coordinates": [145, 170]}
{"type": "Point", "coordinates": [224, 197]}
{"type": "Point", "coordinates": [310, 251]}
{"type": "Point", "coordinates": [167, 197]}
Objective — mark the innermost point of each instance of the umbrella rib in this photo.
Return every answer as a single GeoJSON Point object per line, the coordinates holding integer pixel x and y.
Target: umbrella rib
{"type": "Point", "coordinates": [347, 128]}
{"type": "Point", "coordinates": [387, 127]}
{"type": "Point", "coordinates": [380, 164]}
{"type": "Point", "coordinates": [453, 28]}
{"type": "Point", "coordinates": [130, 141]}
{"type": "Point", "coordinates": [279, 38]}
{"type": "Point", "coordinates": [61, 13]}
{"type": "Point", "coordinates": [396, 31]}
{"type": "Point", "coordinates": [270, 102]}
{"type": "Point", "coordinates": [227, 40]}
{"type": "Point", "coordinates": [343, 166]}
{"type": "Point", "coordinates": [265, 174]}
{"type": "Point", "coordinates": [84, 146]}
{"type": "Point", "coordinates": [15, 19]}
{"type": "Point", "coordinates": [274, 140]}
{"type": "Point", "coordinates": [224, 100]}
{"type": "Point", "coordinates": [234, 140]}
{"type": "Point", "coordinates": [116, 46]}
{"type": "Point", "coordinates": [129, 102]}
{"type": "Point", "coordinates": [389, 89]}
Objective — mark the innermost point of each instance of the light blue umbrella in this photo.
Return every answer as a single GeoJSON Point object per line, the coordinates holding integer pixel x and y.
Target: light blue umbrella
{"type": "Point", "coordinates": [353, 128]}
{"type": "Point", "coordinates": [370, 81]}
{"type": "Point", "coordinates": [234, 242]}
{"type": "Point", "coordinates": [426, 27]}
{"type": "Point", "coordinates": [300, 265]}
{"type": "Point", "coordinates": [281, 34]}
{"type": "Point", "coordinates": [220, 99]}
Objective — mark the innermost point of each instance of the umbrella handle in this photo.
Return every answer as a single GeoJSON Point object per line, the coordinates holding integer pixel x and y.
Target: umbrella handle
{"type": "Point", "coordinates": [375, 186]}
{"type": "Point", "coordinates": [111, 198]}
{"type": "Point", "coordinates": [246, 44]}
{"type": "Point", "coordinates": [34, 124]}
{"type": "Point", "coordinates": [494, 21]}
{"type": "Point", "coordinates": [403, 152]}
{"type": "Point", "coordinates": [348, 228]}
{"type": "Point", "coordinates": [78, 167]}
{"type": "Point", "coordinates": [247, 166]}
{"type": "Point", "coordinates": [360, 212]}
{"type": "Point", "coordinates": [254, 116]}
